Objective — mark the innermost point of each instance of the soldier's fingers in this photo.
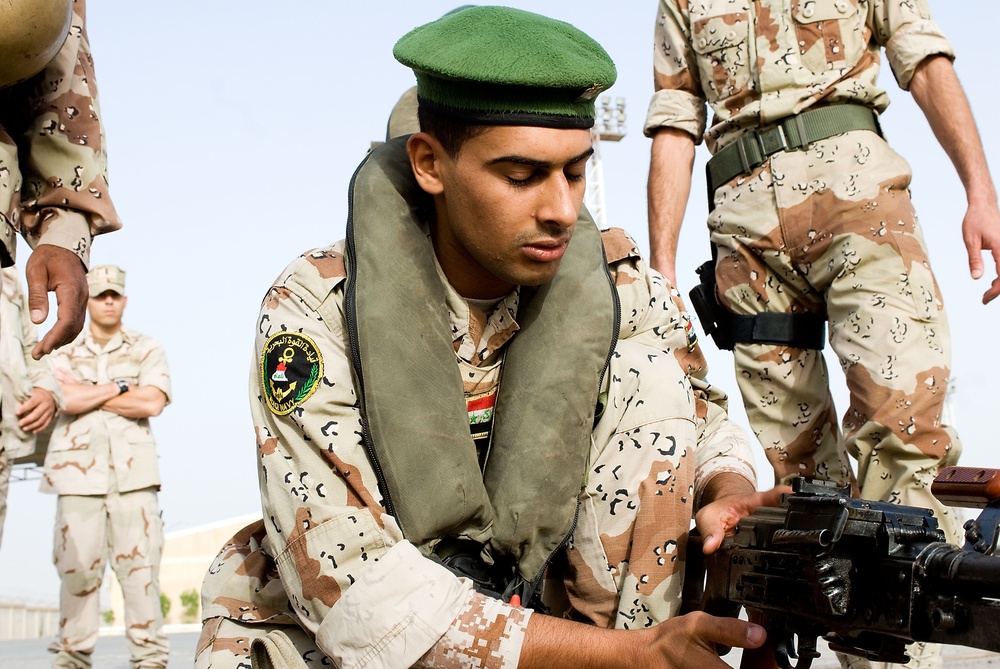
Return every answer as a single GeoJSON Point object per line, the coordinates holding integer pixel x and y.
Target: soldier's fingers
{"type": "Point", "coordinates": [994, 289]}
{"type": "Point", "coordinates": [740, 634]}
{"type": "Point", "coordinates": [53, 268]}
{"type": "Point", "coordinates": [71, 298]}
{"type": "Point", "coordinates": [34, 420]}
{"type": "Point", "coordinates": [69, 323]}
{"type": "Point", "coordinates": [993, 292]}
{"type": "Point", "coordinates": [27, 406]}
{"type": "Point", "coordinates": [36, 277]}
{"type": "Point", "coordinates": [731, 632]}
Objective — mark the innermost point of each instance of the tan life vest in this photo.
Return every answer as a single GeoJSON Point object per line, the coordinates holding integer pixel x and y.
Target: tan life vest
{"type": "Point", "coordinates": [523, 506]}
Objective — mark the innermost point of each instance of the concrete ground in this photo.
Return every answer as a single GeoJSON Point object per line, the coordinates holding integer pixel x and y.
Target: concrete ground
{"type": "Point", "coordinates": [112, 653]}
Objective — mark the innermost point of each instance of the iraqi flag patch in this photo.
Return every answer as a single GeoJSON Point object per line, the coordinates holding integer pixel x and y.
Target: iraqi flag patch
{"type": "Point", "coordinates": [290, 369]}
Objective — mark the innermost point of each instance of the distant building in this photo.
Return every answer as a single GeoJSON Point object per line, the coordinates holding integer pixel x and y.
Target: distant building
{"type": "Point", "coordinates": [187, 555]}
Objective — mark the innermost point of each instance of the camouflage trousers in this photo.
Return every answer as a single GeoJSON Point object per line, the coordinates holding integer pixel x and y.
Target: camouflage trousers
{"type": "Point", "coordinates": [90, 529]}
{"type": "Point", "coordinates": [831, 230]}
{"type": "Point", "coordinates": [5, 469]}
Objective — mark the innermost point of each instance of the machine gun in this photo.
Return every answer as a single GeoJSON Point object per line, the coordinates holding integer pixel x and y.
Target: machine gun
{"type": "Point", "coordinates": [868, 577]}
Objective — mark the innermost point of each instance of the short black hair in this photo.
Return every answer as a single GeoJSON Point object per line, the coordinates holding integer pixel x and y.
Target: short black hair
{"type": "Point", "coordinates": [450, 131]}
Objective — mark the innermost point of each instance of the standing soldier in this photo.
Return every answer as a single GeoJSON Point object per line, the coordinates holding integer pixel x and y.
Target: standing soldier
{"type": "Point", "coordinates": [811, 221]}
{"type": "Point", "coordinates": [102, 463]}
{"type": "Point", "coordinates": [28, 391]}
{"type": "Point", "coordinates": [53, 164]}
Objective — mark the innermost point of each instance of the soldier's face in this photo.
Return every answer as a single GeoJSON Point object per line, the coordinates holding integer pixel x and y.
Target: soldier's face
{"type": "Point", "coordinates": [106, 309]}
{"type": "Point", "coordinates": [507, 205]}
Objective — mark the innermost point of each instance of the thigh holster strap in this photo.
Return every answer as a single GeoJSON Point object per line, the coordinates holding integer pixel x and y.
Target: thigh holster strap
{"type": "Point", "coordinates": [796, 330]}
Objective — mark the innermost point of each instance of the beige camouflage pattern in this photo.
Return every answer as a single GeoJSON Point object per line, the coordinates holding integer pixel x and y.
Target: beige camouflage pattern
{"type": "Point", "coordinates": [824, 230]}
{"type": "Point", "coordinates": [829, 229]}
{"type": "Point", "coordinates": [327, 549]}
{"type": "Point", "coordinates": [758, 61]}
{"type": "Point", "coordinates": [90, 530]}
{"type": "Point", "coordinates": [832, 227]}
{"type": "Point", "coordinates": [104, 468]}
{"type": "Point", "coordinates": [100, 451]}
{"type": "Point", "coordinates": [105, 277]}
{"type": "Point", "coordinates": [20, 374]}
{"type": "Point", "coordinates": [53, 162]}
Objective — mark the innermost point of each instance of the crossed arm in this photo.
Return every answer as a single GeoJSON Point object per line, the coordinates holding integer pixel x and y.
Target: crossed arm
{"type": "Point", "coordinates": [138, 402]}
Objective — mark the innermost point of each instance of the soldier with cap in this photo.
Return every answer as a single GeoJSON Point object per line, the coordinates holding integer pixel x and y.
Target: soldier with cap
{"type": "Point", "coordinates": [482, 428]}
{"type": "Point", "coordinates": [29, 394]}
{"type": "Point", "coordinates": [102, 463]}
{"type": "Point", "coordinates": [53, 163]}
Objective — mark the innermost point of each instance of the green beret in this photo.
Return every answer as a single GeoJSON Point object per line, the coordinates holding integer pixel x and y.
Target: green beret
{"type": "Point", "coordinates": [503, 66]}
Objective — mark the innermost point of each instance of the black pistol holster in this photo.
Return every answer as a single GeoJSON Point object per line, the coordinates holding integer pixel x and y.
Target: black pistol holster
{"type": "Point", "coordinates": [799, 330]}
{"type": "Point", "coordinates": [716, 320]}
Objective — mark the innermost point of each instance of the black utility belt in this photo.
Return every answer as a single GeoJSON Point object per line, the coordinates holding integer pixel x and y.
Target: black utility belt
{"type": "Point", "coordinates": [754, 147]}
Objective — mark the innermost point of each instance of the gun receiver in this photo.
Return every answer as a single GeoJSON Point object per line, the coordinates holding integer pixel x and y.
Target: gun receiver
{"type": "Point", "coordinates": [868, 577]}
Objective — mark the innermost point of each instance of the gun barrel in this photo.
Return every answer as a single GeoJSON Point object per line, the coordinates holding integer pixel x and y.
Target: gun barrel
{"type": "Point", "coordinates": [951, 570]}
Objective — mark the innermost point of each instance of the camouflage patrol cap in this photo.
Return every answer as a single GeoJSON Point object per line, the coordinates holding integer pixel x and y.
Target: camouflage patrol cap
{"type": "Point", "coordinates": [503, 66]}
{"type": "Point", "coordinates": [106, 277]}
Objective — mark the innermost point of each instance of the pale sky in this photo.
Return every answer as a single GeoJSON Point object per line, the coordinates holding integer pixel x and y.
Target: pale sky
{"type": "Point", "coordinates": [233, 129]}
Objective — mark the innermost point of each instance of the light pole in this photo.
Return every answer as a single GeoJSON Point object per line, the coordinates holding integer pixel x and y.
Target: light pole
{"type": "Point", "coordinates": [609, 126]}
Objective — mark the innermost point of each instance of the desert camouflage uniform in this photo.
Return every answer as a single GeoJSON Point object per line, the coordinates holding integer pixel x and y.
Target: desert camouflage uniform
{"type": "Point", "coordinates": [53, 164]}
{"type": "Point", "coordinates": [327, 550]}
{"type": "Point", "coordinates": [828, 230]}
{"type": "Point", "coordinates": [19, 375]}
{"type": "Point", "coordinates": [103, 467]}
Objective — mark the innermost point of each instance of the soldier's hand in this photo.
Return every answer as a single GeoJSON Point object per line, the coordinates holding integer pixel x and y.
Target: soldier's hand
{"type": "Point", "coordinates": [719, 518]}
{"type": "Point", "coordinates": [53, 268]}
{"type": "Point", "coordinates": [691, 640]}
{"type": "Point", "coordinates": [981, 232]}
{"type": "Point", "coordinates": [35, 413]}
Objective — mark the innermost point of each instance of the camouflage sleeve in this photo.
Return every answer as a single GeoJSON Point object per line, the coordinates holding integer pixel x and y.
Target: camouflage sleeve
{"type": "Point", "coordinates": [64, 193]}
{"type": "Point", "coordinates": [678, 100]}
{"type": "Point", "coordinates": [39, 371]}
{"type": "Point", "coordinates": [336, 548]}
{"type": "Point", "coordinates": [15, 355]}
{"type": "Point", "coordinates": [153, 369]}
{"type": "Point", "coordinates": [909, 35]}
{"type": "Point", "coordinates": [654, 313]}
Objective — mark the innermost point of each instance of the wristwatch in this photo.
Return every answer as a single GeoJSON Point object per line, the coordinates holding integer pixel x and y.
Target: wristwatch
{"type": "Point", "coordinates": [122, 386]}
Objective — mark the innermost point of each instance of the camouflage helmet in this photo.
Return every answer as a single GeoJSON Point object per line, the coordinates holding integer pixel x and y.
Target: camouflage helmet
{"type": "Point", "coordinates": [31, 34]}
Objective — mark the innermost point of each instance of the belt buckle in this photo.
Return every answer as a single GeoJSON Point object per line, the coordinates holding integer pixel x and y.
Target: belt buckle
{"type": "Point", "coordinates": [772, 140]}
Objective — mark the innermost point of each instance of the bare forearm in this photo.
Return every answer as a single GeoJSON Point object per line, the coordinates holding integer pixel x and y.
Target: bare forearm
{"type": "Point", "coordinates": [670, 165]}
{"type": "Point", "coordinates": [138, 402]}
{"type": "Point", "coordinates": [554, 643]}
{"type": "Point", "coordinates": [80, 398]}
{"type": "Point", "coordinates": [687, 641]}
{"type": "Point", "coordinates": [937, 91]}
{"type": "Point", "coordinates": [726, 484]}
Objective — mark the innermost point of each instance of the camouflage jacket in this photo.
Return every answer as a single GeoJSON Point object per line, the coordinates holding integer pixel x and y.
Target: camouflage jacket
{"type": "Point", "coordinates": [757, 61]}
{"type": "Point", "coordinates": [53, 163]}
{"type": "Point", "coordinates": [19, 372]}
{"type": "Point", "coordinates": [98, 452]}
{"type": "Point", "coordinates": [327, 549]}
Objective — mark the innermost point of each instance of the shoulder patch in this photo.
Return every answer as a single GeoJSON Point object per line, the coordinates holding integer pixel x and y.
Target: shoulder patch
{"type": "Point", "coordinates": [618, 245]}
{"type": "Point", "coordinates": [290, 369]}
